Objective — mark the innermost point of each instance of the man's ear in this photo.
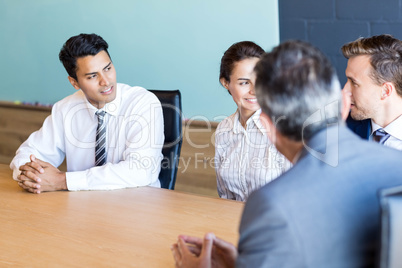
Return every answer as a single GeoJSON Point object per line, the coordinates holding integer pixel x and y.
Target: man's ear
{"type": "Point", "coordinates": [346, 101]}
{"type": "Point", "coordinates": [269, 126]}
{"type": "Point", "coordinates": [386, 90]}
{"type": "Point", "coordinates": [74, 83]}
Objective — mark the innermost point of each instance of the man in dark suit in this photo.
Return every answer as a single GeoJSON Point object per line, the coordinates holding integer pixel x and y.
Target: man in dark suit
{"type": "Point", "coordinates": [324, 211]}
{"type": "Point", "coordinates": [374, 74]}
{"type": "Point", "coordinates": [362, 128]}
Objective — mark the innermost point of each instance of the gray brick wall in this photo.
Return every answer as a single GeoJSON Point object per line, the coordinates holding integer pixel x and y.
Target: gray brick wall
{"type": "Point", "coordinates": [328, 24]}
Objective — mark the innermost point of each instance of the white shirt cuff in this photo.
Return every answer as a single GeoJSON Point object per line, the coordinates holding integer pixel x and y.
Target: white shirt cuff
{"type": "Point", "coordinates": [76, 180]}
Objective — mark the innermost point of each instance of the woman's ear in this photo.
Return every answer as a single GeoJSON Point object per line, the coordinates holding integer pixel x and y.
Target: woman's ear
{"type": "Point", "coordinates": [224, 83]}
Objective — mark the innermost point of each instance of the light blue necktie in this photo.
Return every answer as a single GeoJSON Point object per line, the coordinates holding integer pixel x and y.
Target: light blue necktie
{"type": "Point", "coordinates": [380, 136]}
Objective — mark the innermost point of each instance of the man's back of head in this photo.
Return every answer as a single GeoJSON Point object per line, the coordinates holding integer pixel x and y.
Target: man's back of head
{"type": "Point", "coordinates": [298, 89]}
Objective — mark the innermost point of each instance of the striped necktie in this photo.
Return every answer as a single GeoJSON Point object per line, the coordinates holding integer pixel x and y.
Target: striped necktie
{"type": "Point", "coordinates": [100, 148]}
{"type": "Point", "coordinates": [380, 136]}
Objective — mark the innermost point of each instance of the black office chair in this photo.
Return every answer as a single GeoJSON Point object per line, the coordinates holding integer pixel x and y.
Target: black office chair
{"type": "Point", "coordinates": [171, 106]}
{"type": "Point", "coordinates": [391, 227]}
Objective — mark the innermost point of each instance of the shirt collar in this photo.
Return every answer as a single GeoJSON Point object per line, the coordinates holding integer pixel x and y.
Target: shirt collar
{"type": "Point", "coordinates": [374, 127]}
{"type": "Point", "coordinates": [236, 123]}
{"type": "Point", "coordinates": [254, 119]}
{"type": "Point", "coordinates": [111, 108]}
{"type": "Point", "coordinates": [296, 158]}
{"type": "Point", "coordinates": [394, 128]}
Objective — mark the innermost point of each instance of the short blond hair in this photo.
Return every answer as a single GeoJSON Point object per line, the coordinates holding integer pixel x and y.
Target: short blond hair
{"type": "Point", "coordinates": [385, 53]}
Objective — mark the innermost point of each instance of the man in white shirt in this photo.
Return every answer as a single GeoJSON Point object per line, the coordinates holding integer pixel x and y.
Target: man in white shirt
{"type": "Point", "coordinates": [127, 138]}
{"type": "Point", "coordinates": [374, 74]}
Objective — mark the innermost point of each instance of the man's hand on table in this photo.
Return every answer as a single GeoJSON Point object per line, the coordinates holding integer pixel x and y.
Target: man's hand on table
{"type": "Point", "coordinates": [203, 253]}
{"type": "Point", "coordinates": [38, 176]}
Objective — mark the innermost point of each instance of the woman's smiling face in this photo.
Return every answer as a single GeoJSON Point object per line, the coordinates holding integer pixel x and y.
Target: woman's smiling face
{"type": "Point", "coordinates": [241, 86]}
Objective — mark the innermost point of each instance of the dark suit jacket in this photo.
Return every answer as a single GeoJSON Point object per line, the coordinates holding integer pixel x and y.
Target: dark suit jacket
{"type": "Point", "coordinates": [361, 128]}
{"type": "Point", "coordinates": [324, 211]}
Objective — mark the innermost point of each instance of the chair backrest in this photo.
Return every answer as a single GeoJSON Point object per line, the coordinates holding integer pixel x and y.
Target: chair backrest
{"type": "Point", "coordinates": [172, 115]}
{"type": "Point", "coordinates": [391, 227]}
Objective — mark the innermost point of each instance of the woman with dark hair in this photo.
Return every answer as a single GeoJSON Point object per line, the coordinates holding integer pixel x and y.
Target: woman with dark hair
{"type": "Point", "coordinates": [245, 158]}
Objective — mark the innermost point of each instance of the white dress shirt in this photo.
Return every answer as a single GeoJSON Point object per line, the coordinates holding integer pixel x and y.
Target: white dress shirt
{"type": "Point", "coordinates": [134, 139]}
{"type": "Point", "coordinates": [245, 158]}
{"type": "Point", "coordinates": [394, 129]}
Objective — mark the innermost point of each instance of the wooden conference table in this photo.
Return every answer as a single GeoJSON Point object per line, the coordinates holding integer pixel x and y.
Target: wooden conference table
{"type": "Point", "coordinates": [129, 227]}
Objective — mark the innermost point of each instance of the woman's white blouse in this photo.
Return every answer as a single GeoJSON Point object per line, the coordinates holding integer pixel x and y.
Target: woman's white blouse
{"type": "Point", "coordinates": [245, 159]}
